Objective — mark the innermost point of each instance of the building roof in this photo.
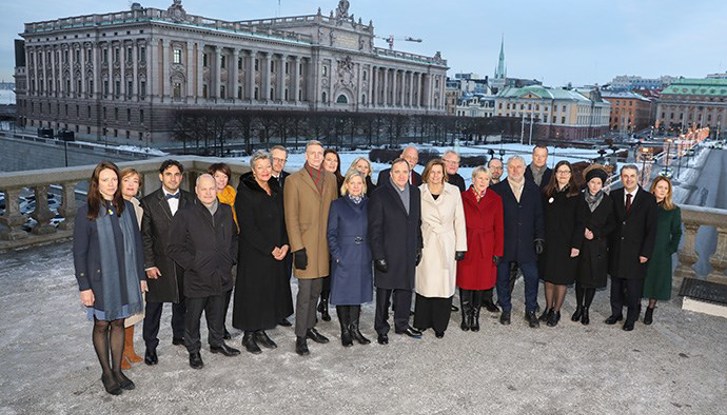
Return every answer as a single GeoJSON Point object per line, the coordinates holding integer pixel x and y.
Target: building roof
{"type": "Point", "coordinates": [541, 92]}
{"type": "Point", "coordinates": [622, 95]}
{"type": "Point", "coordinates": [711, 87]}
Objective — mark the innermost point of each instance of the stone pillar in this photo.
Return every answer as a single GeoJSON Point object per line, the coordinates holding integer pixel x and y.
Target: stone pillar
{"type": "Point", "coordinates": [190, 72]}
{"type": "Point", "coordinates": [688, 255]}
{"type": "Point", "coordinates": [296, 79]}
{"type": "Point", "coordinates": [372, 87]}
{"type": "Point", "coordinates": [154, 80]}
{"type": "Point", "coordinates": [12, 218]}
{"type": "Point", "coordinates": [251, 75]}
{"type": "Point", "coordinates": [394, 86]}
{"type": "Point", "coordinates": [53, 79]}
{"type": "Point", "coordinates": [718, 260]}
{"type": "Point", "coordinates": [385, 101]}
{"type": "Point", "coordinates": [282, 77]}
{"type": "Point", "coordinates": [68, 205]}
{"type": "Point", "coordinates": [71, 73]}
{"type": "Point", "coordinates": [217, 66]}
{"type": "Point", "coordinates": [134, 71]}
{"type": "Point", "coordinates": [235, 84]}
{"type": "Point", "coordinates": [265, 68]}
{"type": "Point", "coordinates": [164, 78]}
{"type": "Point", "coordinates": [41, 213]}
{"type": "Point", "coordinates": [95, 51]}
{"type": "Point", "coordinates": [199, 72]}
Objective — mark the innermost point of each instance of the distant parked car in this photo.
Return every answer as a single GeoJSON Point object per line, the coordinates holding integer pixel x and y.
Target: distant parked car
{"type": "Point", "coordinates": [27, 204]}
{"type": "Point", "coordinates": [32, 223]}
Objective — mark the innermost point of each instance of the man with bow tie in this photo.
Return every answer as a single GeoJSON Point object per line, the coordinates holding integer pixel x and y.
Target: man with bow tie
{"type": "Point", "coordinates": [165, 278]}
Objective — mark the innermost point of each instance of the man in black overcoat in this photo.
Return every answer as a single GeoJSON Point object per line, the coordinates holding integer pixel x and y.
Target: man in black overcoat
{"type": "Point", "coordinates": [279, 155]}
{"type": "Point", "coordinates": [204, 243]}
{"type": "Point", "coordinates": [451, 163]}
{"type": "Point", "coordinates": [411, 155]}
{"type": "Point", "coordinates": [632, 243]}
{"type": "Point", "coordinates": [538, 170]}
{"type": "Point", "coordinates": [396, 245]}
{"type": "Point", "coordinates": [164, 277]}
{"type": "Point", "coordinates": [524, 237]}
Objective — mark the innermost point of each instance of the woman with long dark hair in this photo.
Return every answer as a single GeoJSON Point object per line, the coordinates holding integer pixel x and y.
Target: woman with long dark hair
{"type": "Point", "coordinates": [595, 222]}
{"type": "Point", "coordinates": [559, 258]}
{"type": "Point", "coordinates": [332, 164]}
{"type": "Point", "coordinates": [657, 285]}
{"type": "Point", "coordinates": [108, 261]}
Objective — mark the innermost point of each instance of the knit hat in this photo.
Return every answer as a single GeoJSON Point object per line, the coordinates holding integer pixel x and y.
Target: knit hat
{"type": "Point", "coordinates": [597, 172]}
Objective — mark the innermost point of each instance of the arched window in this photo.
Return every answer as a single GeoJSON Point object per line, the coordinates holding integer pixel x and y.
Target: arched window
{"type": "Point", "coordinates": [363, 99]}
{"type": "Point", "coordinates": [341, 99]}
{"type": "Point", "coordinates": [324, 97]}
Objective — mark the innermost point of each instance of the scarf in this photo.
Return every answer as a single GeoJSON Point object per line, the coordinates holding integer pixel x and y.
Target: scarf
{"type": "Point", "coordinates": [355, 199]}
{"type": "Point", "coordinates": [317, 176]}
{"type": "Point", "coordinates": [593, 200]}
{"type": "Point", "coordinates": [478, 196]}
{"type": "Point", "coordinates": [119, 264]}
{"type": "Point", "coordinates": [227, 196]}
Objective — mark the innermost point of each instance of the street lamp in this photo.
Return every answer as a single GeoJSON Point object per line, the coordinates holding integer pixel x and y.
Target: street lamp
{"type": "Point", "coordinates": [645, 153]}
{"type": "Point", "coordinates": [665, 171]}
{"type": "Point", "coordinates": [502, 153]}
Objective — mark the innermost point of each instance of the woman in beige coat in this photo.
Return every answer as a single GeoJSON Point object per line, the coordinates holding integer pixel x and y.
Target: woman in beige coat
{"type": "Point", "coordinates": [445, 242]}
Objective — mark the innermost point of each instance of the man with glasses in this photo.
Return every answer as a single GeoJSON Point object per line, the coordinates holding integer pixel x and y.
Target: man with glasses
{"type": "Point", "coordinates": [411, 155]}
{"type": "Point", "coordinates": [451, 163]}
{"type": "Point", "coordinates": [496, 170]}
{"type": "Point", "coordinates": [280, 156]}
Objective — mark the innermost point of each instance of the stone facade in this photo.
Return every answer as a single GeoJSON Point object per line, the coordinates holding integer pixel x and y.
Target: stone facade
{"type": "Point", "coordinates": [122, 75]}
{"type": "Point", "coordinates": [629, 111]}
{"type": "Point", "coordinates": [690, 103]}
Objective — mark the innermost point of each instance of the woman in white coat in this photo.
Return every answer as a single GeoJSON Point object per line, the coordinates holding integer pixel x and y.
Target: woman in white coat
{"type": "Point", "coordinates": [445, 242]}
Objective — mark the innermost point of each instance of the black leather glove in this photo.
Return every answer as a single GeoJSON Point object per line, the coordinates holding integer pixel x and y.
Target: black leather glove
{"type": "Point", "coordinates": [300, 259]}
{"type": "Point", "coordinates": [539, 246]}
{"type": "Point", "coordinates": [419, 257]}
{"type": "Point", "coordinates": [496, 259]}
{"type": "Point", "coordinates": [381, 265]}
{"type": "Point", "coordinates": [459, 255]}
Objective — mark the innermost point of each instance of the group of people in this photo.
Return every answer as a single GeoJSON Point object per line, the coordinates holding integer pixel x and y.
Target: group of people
{"type": "Point", "coordinates": [344, 238]}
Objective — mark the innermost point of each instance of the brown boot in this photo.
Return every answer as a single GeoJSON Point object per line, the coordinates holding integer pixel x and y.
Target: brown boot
{"type": "Point", "coordinates": [129, 353]}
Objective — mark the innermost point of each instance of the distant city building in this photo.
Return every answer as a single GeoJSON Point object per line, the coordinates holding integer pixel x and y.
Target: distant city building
{"type": "Point", "coordinates": [498, 81]}
{"type": "Point", "coordinates": [125, 74]}
{"type": "Point", "coordinates": [629, 111]}
{"type": "Point", "coordinates": [629, 82]}
{"type": "Point", "coordinates": [721, 75]}
{"type": "Point", "coordinates": [555, 114]}
{"type": "Point", "coordinates": [476, 105]}
{"type": "Point", "coordinates": [689, 103]}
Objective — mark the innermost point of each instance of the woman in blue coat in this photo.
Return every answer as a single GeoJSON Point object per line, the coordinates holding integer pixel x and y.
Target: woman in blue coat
{"type": "Point", "coordinates": [351, 261]}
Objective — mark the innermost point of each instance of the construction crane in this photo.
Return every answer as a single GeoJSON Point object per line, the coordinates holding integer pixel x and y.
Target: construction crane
{"type": "Point", "coordinates": [390, 40]}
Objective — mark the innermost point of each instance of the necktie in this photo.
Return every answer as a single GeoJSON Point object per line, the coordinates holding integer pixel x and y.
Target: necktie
{"type": "Point", "coordinates": [628, 202]}
{"type": "Point", "coordinates": [174, 196]}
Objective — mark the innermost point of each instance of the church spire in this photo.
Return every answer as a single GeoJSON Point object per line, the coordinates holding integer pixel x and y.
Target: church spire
{"type": "Point", "coordinates": [501, 71]}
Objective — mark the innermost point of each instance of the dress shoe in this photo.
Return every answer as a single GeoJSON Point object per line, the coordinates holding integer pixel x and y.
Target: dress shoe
{"type": "Point", "coordinates": [195, 361]}
{"type": "Point", "coordinates": [505, 318]}
{"type": "Point", "coordinates": [313, 334]}
{"type": "Point", "coordinates": [249, 343]}
{"type": "Point", "coordinates": [532, 319]}
{"type": "Point", "coordinates": [546, 315]}
{"type": "Point", "coordinates": [611, 320]}
{"type": "Point", "coordinates": [649, 315]}
{"type": "Point", "coordinates": [263, 340]}
{"type": "Point", "coordinates": [227, 335]}
{"type": "Point", "coordinates": [111, 385]}
{"type": "Point", "coordinates": [453, 308]}
{"type": "Point", "coordinates": [124, 382]}
{"type": "Point", "coordinates": [178, 341]}
{"type": "Point", "coordinates": [553, 319]}
{"type": "Point", "coordinates": [577, 314]}
{"type": "Point", "coordinates": [225, 350]}
{"type": "Point", "coordinates": [491, 307]}
{"type": "Point", "coordinates": [585, 319]}
{"type": "Point", "coordinates": [411, 332]}
{"type": "Point", "coordinates": [439, 334]}
{"type": "Point", "coordinates": [628, 325]}
{"type": "Point", "coordinates": [383, 339]}
{"type": "Point", "coordinates": [150, 357]}
{"type": "Point", "coordinates": [284, 322]}
{"type": "Point", "coordinates": [301, 346]}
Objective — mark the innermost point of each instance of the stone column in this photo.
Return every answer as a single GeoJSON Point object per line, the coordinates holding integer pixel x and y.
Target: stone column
{"type": "Point", "coordinates": [68, 205]}
{"type": "Point", "coordinates": [71, 73]}
{"type": "Point", "coordinates": [235, 84]}
{"type": "Point", "coordinates": [385, 101]}
{"type": "Point", "coordinates": [296, 79]}
{"type": "Point", "coordinates": [154, 80]}
{"type": "Point", "coordinates": [372, 87]}
{"type": "Point", "coordinates": [42, 213]}
{"type": "Point", "coordinates": [217, 72]}
{"type": "Point", "coordinates": [251, 75]}
{"type": "Point", "coordinates": [122, 71]}
{"type": "Point", "coordinates": [12, 218]}
{"type": "Point", "coordinates": [190, 72]}
{"type": "Point", "coordinates": [95, 51]}
{"type": "Point", "coordinates": [265, 68]}
{"type": "Point", "coordinates": [199, 72]}
{"type": "Point", "coordinates": [282, 77]}
{"type": "Point", "coordinates": [394, 86]}
{"type": "Point", "coordinates": [164, 78]}
{"type": "Point", "coordinates": [134, 71]}
{"type": "Point", "coordinates": [53, 91]}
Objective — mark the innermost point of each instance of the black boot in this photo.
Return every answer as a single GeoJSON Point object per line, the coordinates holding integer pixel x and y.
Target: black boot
{"type": "Point", "coordinates": [553, 318]}
{"type": "Point", "coordinates": [475, 311]}
{"type": "Point", "coordinates": [584, 318]}
{"type": "Point", "coordinates": [344, 320]}
{"type": "Point", "coordinates": [578, 313]}
{"type": "Point", "coordinates": [354, 328]}
{"type": "Point", "coordinates": [546, 314]}
{"type": "Point", "coordinates": [323, 306]}
{"type": "Point", "coordinates": [649, 315]}
{"type": "Point", "coordinates": [249, 343]}
{"type": "Point", "coordinates": [465, 303]}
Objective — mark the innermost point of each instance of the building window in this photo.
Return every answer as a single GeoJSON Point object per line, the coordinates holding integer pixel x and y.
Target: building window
{"type": "Point", "coordinates": [272, 66]}
{"type": "Point", "coordinates": [324, 96]}
{"type": "Point", "coordinates": [364, 75]}
{"type": "Point", "coordinates": [105, 56]}
{"type": "Point", "coordinates": [325, 70]}
{"type": "Point", "coordinates": [239, 63]}
{"type": "Point", "coordinates": [287, 67]}
{"type": "Point", "coordinates": [129, 88]}
{"type": "Point", "coordinates": [177, 93]}
{"type": "Point", "coordinates": [103, 112]}
{"type": "Point", "coordinates": [562, 120]}
{"type": "Point", "coordinates": [286, 94]}
{"type": "Point", "coordinates": [117, 88]}
{"type": "Point", "coordinates": [204, 60]}
{"type": "Point", "coordinates": [239, 92]}
{"type": "Point", "coordinates": [272, 93]}
{"type": "Point", "coordinates": [204, 91]}
{"type": "Point", "coordinates": [116, 114]}
{"type": "Point", "coordinates": [257, 64]}
{"type": "Point", "coordinates": [222, 91]}
{"type": "Point", "coordinates": [142, 89]}
{"type": "Point", "coordinates": [129, 54]}
{"type": "Point", "coordinates": [142, 54]}
{"type": "Point", "coordinates": [128, 114]}
{"type": "Point", "coordinates": [223, 61]}
{"type": "Point", "coordinates": [257, 93]}
{"type": "Point", "coordinates": [117, 55]}
{"type": "Point", "coordinates": [177, 56]}
{"type": "Point", "coordinates": [141, 116]}
{"type": "Point", "coordinates": [105, 88]}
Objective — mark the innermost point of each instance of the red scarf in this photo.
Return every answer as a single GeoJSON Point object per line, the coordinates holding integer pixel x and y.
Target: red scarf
{"type": "Point", "coordinates": [316, 175]}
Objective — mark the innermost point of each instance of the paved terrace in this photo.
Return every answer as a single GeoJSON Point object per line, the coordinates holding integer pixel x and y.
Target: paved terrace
{"type": "Point", "coordinates": [675, 366]}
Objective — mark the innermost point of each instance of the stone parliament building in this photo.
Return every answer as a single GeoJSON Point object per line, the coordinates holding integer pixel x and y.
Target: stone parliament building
{"type": "Point", "coordinates": [124, 74]}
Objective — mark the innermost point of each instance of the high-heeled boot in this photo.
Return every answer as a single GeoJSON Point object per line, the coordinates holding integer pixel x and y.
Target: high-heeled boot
{"type": "Point", "coordinates": [344, 320]}
{"type": "Point", "coordinates": [578, 313]}
{"type": "Point", "coordinates": [129, 355]}
{"type": "Point", "coordinates": [585, 319]}
{"type": "Point", "coordinates": [323, 306]}
{"type": "Point", "coordinates": [649, 315]}
{"type": "Point", "coordinates": [475, 311]}
{"type": "Point", "coordinates": [354, 325]}
{"type": "Point", "coordinates": [465, 304]}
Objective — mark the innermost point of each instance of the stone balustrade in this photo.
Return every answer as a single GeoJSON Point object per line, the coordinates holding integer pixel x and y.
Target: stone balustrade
{"type": "Point", "coordinates": [70, 184]}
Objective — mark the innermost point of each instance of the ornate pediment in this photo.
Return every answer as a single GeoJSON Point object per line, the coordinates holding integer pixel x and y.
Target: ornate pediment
{"type": "Point", "coordinates": [176, 12]}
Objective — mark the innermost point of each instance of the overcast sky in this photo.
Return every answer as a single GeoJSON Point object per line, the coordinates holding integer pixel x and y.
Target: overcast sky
{"type": "Point", "coordinates": [556, 41]}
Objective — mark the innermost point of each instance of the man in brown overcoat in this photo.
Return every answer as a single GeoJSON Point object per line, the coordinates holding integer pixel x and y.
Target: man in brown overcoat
{"type": "Point", "coordinates": [308, 194]}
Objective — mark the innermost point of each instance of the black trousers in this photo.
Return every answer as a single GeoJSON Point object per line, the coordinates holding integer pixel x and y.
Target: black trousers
{"type": "Point", "coordinates": [626, 292]}
{"type": "Point", "coordinates": [402, 307]}
{"type": "Point", "coordinates": [213, 307]}
{"type": "Point", "coordinates": [432, 312]}
{"type": "Point", "coordinates": [153, 317]}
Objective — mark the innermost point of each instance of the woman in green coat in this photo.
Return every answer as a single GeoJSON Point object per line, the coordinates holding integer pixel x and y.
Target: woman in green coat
{"type": "Point", "coordinates": [657, 285]}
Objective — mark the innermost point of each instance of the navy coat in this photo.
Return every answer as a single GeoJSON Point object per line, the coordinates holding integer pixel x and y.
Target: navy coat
{"type": "Point", "coordinates": [395, 235]}
{"type": "Point", "coordinates": [523, 221]}
{"type": "Point", "coordinates": [351, 262]}
{"type": "Point", "coordinates": [546, 176]}
{"type": "Point", "coordinates": [634, 236]}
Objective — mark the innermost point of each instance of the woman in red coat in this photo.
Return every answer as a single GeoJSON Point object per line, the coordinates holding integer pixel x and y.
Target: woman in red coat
{"type": "Point", "coordinates": [477, 272]}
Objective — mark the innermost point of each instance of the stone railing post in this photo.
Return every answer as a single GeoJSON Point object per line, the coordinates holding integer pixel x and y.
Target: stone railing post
{"type": "Point", "coordinates": [42, 213]}
{"type": "Point", "coordinates": [12, 219]}
{"type": "Point", "coordinates": [688, 254]}
{"type": "Point", "coordinates": [68, 206]}
{"type": "Point", "coordinates": [718, 260]}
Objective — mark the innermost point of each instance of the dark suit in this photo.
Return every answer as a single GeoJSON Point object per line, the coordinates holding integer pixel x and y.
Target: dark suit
{"type": "Point", "coordinates": [546, 176]}
{"type": "Point", "coordinates": [415, 179]}
{"type": "Point", "coordinates": [457, 180]}
{"type": "Point", "coordinates": [634, 236]}
{"type": "Point", "coordinates": [205, 246]}
{"type": "Point", "coordinates": [396, 237]}
{"type": "Point", "coordinates": [155, 226]}
{"type": "Point", "coordinates": [523, 224]}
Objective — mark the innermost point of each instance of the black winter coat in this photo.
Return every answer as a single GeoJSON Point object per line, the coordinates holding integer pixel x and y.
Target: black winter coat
{"type": "Point", "coordinates": [523, 221]}
{"type": "Point", "coordinates": [593, 259]}
{"type": "Point", "coordinates": [556, 264]}
{"type": "Point", "coordinates": [205, 246]}
{"type": "Point", "coordinates": [634, 236]}
{"type": "Point", "coordinates": [155, 226]}
{"type": "Point", "coordinates": [394, 235]}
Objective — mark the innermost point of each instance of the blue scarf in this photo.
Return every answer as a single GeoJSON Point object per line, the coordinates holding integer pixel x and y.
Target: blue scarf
{"type": "Point", "coordinates": [120, 278]}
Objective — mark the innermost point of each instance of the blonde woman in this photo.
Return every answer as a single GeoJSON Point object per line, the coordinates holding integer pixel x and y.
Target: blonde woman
{"type": "Point", "coordinates": [363, 166]}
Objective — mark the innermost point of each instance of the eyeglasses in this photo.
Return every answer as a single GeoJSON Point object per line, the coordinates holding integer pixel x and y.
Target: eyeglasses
{"type": "Point", "coordinates": [563, 171]}
{"type": "Point", "coordinates": [279, 160]}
